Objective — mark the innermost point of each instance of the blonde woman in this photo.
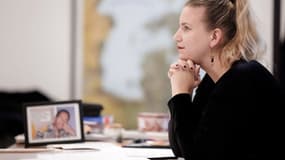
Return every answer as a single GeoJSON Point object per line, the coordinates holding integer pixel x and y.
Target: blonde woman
{"type": "Point", "coordinates": [233, 114]}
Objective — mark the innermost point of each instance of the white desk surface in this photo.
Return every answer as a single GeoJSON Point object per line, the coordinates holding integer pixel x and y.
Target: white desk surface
{"type": "Point", "coordinates": [98, 150]}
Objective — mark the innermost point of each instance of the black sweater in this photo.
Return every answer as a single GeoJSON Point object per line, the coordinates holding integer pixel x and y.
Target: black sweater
{"type": "Point", "coordinates": [237, 117]}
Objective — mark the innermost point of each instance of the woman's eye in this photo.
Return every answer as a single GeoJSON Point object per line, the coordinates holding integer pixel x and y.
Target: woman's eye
{"type": "Point", "coordinates": [185, 28]}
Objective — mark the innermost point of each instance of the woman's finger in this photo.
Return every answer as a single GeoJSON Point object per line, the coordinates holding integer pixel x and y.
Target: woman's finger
{"type": "Point", "coordinates": [197, 72]}
{"type": "Point", "coordinates": [191, 65]}
{"type": "Point", "coordinates": [170, 72]}
{"type": "Point", "coordinates": [174, 66]}
{"type": "Point", "coordinates": [197, 69]}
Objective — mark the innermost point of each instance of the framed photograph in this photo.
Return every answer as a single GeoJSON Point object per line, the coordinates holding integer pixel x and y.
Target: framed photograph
{"type": "Point", "coordinates": [53, 122]}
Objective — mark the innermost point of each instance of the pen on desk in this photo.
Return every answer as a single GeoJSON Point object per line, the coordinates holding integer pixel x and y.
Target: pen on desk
{"type": "Point", "coordinates": [163, 158]}
{"type": "Point", "coordinates": [140, 140]}
{"type": "Point", "coordinates": [77, 148]}
{"type": "Point", "coordinates": [144, 143]}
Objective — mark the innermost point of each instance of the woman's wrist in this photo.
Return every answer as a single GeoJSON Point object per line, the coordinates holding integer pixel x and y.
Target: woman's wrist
{"type": "Point", "coordinates": [176, 92]}
{"type": "Point", "coordinates": [181, 90]}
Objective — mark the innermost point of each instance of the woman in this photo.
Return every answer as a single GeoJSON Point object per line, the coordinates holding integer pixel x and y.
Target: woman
{"type": "Point", "coordinates": [233, 114]}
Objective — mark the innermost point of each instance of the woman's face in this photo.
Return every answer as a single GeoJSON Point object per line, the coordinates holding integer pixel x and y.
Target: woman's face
{"type": "Point", "coordinates": [192, 38]}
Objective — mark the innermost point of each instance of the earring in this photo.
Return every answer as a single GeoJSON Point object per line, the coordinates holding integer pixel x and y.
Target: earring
{"type": "Point", "coordinates": [212, 59]}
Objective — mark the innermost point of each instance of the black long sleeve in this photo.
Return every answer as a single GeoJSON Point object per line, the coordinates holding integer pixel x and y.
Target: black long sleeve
{"type": "Point", "coordinates": [227, 120]}
{"type": "Point", "coordinates": [188, 111]}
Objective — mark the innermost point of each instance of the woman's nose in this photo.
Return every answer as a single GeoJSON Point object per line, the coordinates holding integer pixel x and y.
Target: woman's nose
{"type": "Point", "coordinates": [177, 37]}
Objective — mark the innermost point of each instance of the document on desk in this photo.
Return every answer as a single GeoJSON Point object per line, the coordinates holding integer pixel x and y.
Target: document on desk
{"type": "Point", "coordinates": [109, 149]}
{"type": "Point", "coordinates": [27, 150]}
{"type": "Point", "coordinates": [99, 146]}
{"type": "Point", "coordinates": [93, 150]}
{"type": "Point", "coordinates": [86, 150]}
{"type": "Point", "coordinates": [148, 152]}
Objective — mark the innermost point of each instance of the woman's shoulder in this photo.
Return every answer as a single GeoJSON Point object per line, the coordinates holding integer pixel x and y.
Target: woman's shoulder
{"type": "Point", "coordinates": [251, 68]}
{"type": "Point", "coordinates": [253, 72]}
{"type": "Point", "coordinates": [247, 74]}
{"type": "Point", "coordinates": [247, 79]}
{"type": "Point", "coordinates": [243, 65]}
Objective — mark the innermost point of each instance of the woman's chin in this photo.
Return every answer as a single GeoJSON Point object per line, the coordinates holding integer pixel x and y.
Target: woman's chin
{"type": "Point", "coordinates": [183, 58]}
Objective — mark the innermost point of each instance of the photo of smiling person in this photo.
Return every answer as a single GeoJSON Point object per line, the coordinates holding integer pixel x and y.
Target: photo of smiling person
{"type": "Point", "coordinates": [59, 128]}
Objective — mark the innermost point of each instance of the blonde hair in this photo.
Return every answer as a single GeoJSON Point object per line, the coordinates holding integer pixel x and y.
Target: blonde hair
{"type": "Point", "coordinates": [241, 39]}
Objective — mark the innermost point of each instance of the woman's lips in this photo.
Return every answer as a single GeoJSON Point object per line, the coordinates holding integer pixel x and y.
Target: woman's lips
{"type": "Point", "coordinates": [179, 47]}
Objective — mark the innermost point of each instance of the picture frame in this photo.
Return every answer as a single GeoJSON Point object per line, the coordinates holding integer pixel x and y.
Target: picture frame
{"type": "Point", "coordinates": [53, 122]}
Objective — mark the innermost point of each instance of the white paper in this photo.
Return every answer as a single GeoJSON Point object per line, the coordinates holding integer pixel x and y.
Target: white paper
{"type": "Point", "coordinates": [100, 146]}
{"type": "Point", "coordinates": [148, 152]}
{"type": "Point", "coordinates": [26, 150]}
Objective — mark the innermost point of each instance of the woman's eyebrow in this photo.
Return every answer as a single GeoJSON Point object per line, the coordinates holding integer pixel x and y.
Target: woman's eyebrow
{"type": "Point", "coordinates": [185, 24]}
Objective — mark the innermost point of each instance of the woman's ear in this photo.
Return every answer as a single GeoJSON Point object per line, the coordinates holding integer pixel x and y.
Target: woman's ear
{"type": "Point", "coordinates": [216, 37]}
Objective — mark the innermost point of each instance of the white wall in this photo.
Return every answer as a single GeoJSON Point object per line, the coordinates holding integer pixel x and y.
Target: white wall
{"type": "Point", "coordinates": [78, 76]}
{"type": "Point", "coordinates": [35, 46]}
{"type": "Point", "coordinates": [263, 10]}
{"type": "Point", "coordinates": [282, 20]}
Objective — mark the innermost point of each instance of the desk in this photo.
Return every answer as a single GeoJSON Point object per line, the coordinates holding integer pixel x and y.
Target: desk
{"type": "Point", "coordinates": [100, 150]}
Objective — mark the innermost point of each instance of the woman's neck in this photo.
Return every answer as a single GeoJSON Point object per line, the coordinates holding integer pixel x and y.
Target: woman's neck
{"type": "Point", "coordinates": [216, 70]}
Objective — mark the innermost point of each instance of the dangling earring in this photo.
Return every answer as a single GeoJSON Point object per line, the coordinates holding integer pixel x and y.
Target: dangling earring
{"type": "Point", "coordinates": [212, 59]}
